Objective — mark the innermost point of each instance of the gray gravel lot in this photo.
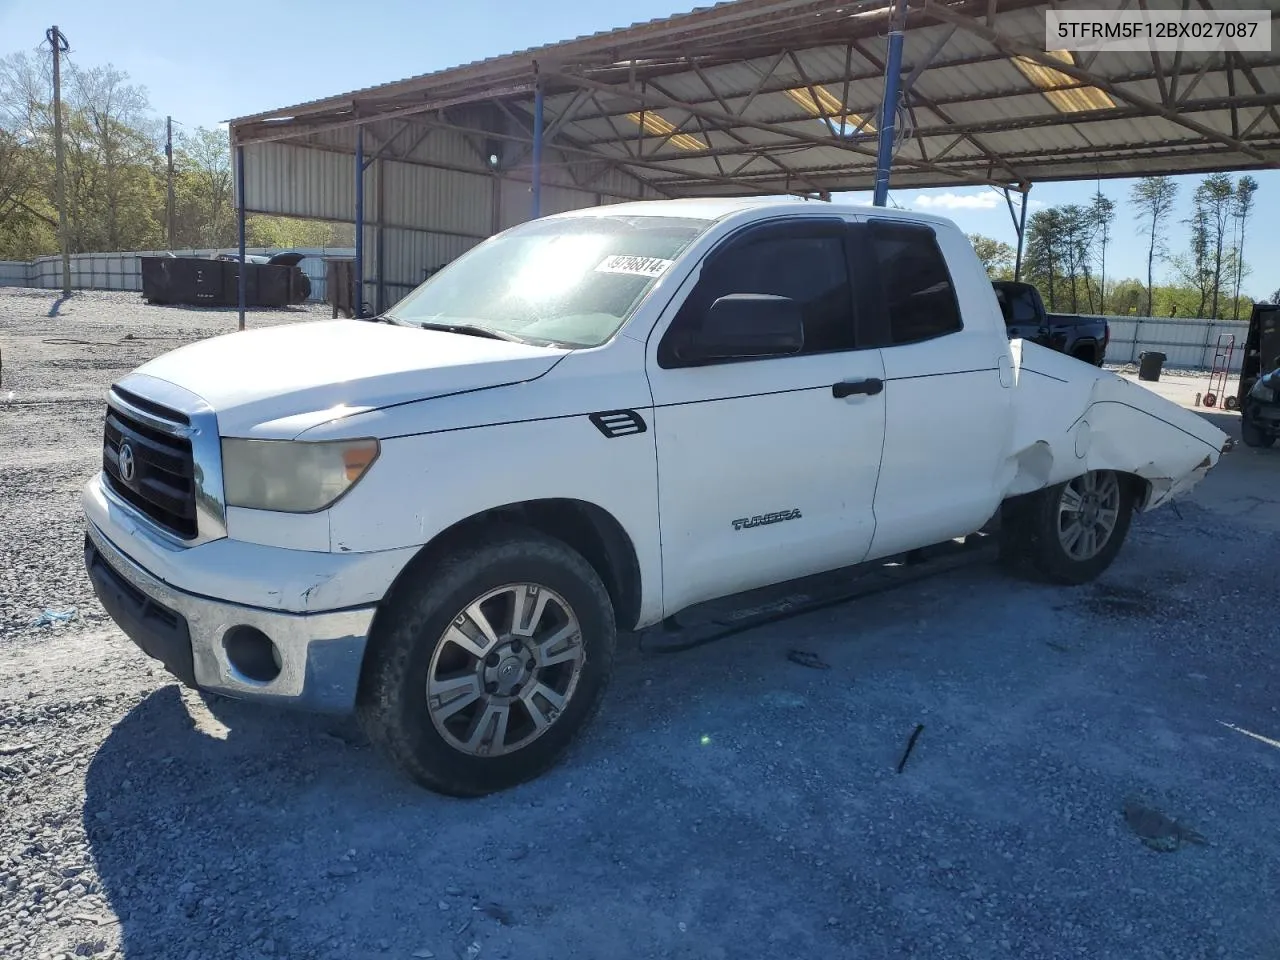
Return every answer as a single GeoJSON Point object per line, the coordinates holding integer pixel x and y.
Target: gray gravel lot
{"type": "Point", "coordinates": [727, 803]}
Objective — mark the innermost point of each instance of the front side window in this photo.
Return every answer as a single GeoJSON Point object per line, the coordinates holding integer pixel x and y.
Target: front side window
{"type": "Point", "coordinates": [918, 293]}
{"type": "Point", "coordinates": [809, 269]}
{"type": "Point", "coordinates": [570, 282]}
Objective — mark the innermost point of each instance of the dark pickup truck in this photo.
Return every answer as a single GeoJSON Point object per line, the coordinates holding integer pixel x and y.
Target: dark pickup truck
{"type": "Point", "coordinates": [1025, 318]}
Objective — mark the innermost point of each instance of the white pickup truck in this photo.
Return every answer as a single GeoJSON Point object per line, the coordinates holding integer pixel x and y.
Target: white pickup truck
{"type": "Point", "coordinates": [442, 518]}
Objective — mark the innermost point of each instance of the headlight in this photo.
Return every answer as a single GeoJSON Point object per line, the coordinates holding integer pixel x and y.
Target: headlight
{"type": "Point", "coordinates": [290, 475]}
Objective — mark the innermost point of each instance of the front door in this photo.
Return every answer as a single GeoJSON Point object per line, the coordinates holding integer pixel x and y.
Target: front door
{"type": "Point", "coordinates": [767, 466]}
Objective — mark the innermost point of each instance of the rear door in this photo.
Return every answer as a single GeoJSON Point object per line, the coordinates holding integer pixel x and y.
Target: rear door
{"type": "Point", "coordinates": [948, 402]}
{"type": "Point", "coordinates": [767, 466]}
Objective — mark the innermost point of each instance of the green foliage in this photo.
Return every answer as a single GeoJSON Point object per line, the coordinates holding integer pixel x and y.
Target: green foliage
{"type": "Point", "coordinates": [263, 231]}
{"type": "Point", "coordinates": [997, 256]}
{"type": "Point", "coordinates": [1066, 249]}
{"type": "Point", "coordinates": [117, 171]}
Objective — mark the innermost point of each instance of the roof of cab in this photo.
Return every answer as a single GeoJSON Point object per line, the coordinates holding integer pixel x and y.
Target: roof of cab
{"type": "Point", "coordinates": [718, 208]}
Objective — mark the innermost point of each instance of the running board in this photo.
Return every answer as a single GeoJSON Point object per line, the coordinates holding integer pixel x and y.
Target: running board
{"type": "Point", "coordinates": [716, 619]}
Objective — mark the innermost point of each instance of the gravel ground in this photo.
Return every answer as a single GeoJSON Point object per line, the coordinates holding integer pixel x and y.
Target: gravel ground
{"type": "Point", "coordinates": [727, 803]}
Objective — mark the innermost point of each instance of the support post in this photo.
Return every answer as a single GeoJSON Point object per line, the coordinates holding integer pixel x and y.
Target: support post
{"type": "Point", "coordinates": [168, 152]}
{"type": "Point", "coordinates": [1022, 232]}
{"type": "Point", "coordinates": [536, 209]}
{"type": "Point", "coordinates": [380, 197]}
{"type": "Point", "coordinates": [889, 105]}
{"type": "Point", "coordinates": [60, 46]}
{"type": "Point", "coordinates": [359, 264]}
{"type": "Point", "coordinates": [240, 218]}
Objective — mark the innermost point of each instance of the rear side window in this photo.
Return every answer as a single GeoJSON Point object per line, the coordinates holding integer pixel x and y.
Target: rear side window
{"type": "Point", "coordinates": [919, 296]}
{"type": "Point", "coordinates": [1017, 304]}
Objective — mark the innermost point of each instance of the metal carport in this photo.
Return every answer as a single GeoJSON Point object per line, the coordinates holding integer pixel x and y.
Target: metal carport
{"type": "Point", "coordinates": [750, 97]}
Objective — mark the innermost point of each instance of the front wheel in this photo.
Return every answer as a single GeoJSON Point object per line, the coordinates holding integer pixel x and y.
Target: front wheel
{"type": "Point", "coordinates": [479, 677]}
{"type": "Point", "coordinates": [1071, 532]}
{"type": "Point", "coordinates": [1252, 434]}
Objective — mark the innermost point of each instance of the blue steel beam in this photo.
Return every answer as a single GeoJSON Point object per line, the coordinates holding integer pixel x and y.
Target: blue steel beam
{"type": "Point", "coordinates": [889, 105]}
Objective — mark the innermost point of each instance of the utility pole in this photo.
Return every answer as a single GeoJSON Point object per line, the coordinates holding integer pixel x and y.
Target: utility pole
{"type": "Point", "coordinates": [57, 39]}
{"type": "Point", "coordinates": [168, 152]}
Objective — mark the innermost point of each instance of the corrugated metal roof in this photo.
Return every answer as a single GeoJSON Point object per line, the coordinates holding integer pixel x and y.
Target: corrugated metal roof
{"type": "Point", "coordinates": [749, 95]}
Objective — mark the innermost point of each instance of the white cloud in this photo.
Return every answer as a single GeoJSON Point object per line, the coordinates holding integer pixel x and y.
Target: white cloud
{"type": "Point", "coordinates": [986, 200]}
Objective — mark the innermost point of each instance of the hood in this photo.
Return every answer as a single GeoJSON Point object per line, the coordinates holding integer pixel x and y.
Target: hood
{"type": "Point", "coordinates": [277, 382]}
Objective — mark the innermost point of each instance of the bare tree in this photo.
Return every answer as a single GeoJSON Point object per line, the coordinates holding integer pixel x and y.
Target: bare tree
{"type": "Point", "coordinates": [1246, 187]}
{"type": "Point", "coordinates": [1154, 197]}
{"type": "Point", "coordinates": [203, 161]}
{"type": "Point", "coordinates": [1103, 213]}
{"type": "Point", "coordinates": [1215, 197]}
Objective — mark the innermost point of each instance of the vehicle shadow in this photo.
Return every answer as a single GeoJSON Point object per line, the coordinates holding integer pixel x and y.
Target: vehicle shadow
{"type": "Point", "coordinates": [229, 829]}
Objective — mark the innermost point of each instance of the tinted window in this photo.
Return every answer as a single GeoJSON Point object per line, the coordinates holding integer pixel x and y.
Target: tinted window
{"type": "Point", "coordinates": [918, 292]}
{"type": "Point", "coordinates": [1017, 304]}
{"type": "Point", "coordinates": [810, 269]}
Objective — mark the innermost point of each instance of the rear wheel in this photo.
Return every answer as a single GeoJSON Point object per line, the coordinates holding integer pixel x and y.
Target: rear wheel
{"type": "Point", "coordinates": [1251, 433]}
{"type": "Point", "coordinates": [1071, 532]}
{"type": "Point", "coordinates": [480, 677]}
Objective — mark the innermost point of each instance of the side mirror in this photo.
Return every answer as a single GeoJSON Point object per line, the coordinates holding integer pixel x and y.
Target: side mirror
{"type": "Point", "coordinates": [744, 325]}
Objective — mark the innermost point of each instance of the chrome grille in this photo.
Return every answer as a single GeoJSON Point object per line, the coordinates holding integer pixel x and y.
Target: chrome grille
{"type": "Point", "coordinates": [147, 462]}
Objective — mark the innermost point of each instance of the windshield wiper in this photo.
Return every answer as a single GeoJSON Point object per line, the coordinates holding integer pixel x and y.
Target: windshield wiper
{"type": "Point", "coordinates": [471, 330]}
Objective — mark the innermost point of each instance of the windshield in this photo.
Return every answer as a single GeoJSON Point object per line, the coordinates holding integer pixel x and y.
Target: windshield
{"type": "Point", "coordinates": [570, 282]}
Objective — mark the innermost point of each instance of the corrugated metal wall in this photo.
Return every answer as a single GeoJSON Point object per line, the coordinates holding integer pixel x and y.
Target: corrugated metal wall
{"type": "Point", "coordinates": [1188, 344]}
{"type": "Point", "coordinates": [439, 194]}
{"type": "Point", "coordinates": [13, 273]}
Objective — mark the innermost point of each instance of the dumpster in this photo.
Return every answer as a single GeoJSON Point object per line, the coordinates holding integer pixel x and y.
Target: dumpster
{"type": "Point", "coordinates": [275, 281]}
{"type": "Point", "coordinates": [1150, 364]}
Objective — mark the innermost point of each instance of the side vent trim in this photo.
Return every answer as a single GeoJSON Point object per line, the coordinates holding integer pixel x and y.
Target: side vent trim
{"type": "Point", "coordinates": [618, 423]}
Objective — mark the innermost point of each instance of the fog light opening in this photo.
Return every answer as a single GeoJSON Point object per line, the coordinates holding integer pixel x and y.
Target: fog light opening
{"type": "Point", "coordinates": [252, 654]}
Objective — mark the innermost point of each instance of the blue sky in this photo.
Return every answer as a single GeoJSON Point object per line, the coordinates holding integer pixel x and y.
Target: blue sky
{"type": "Point", "coordinates": [207, 63]}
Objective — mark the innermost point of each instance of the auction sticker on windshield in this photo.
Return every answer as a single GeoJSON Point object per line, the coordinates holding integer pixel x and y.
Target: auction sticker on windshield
{"type": "Point", "coordinates": [637, 266]}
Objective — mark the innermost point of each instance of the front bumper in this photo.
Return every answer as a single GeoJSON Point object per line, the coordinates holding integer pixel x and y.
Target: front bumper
{"type": "Point", "coordinates": [318, 654]}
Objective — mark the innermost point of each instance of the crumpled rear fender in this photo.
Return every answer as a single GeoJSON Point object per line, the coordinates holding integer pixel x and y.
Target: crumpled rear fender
{"type": "Point", "coordinates": [1071, 417]}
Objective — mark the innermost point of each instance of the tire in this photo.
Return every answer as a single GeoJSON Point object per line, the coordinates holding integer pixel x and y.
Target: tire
{"type": "Point", "coordinates": [428, 633]}
{"type": "Point", "coordinates": [1034, 528]}
{"type": "Point", "coordinates": [1251, 434]}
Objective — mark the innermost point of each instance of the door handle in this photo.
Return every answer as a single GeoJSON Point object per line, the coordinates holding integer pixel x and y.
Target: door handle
{"type": "Point", "coordinates": [848, 388]}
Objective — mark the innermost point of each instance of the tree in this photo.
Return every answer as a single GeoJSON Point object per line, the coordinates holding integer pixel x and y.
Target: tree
{"type": "Point", "coordinates": [28, 220]}
{"type": "Point", "coordinates": [284, 232]}
{"type": "Point", "coordinates": [1154, 197]}
{"type": "Point", "coordinates": [1076, 226]}
{"type": "Point", "coordinates": [1195, 267]}
{"type": "Point", "coordinates": [1275, 297]}
{"type": "Point", "coordinates": [205, 206]}
{"type": "Point", "coordinates": [1044, 255]}
{"type": "Point", "coordinates": [111, 152]}
{"type": "Point", "coordinates": [1103, 213]}
{"type": "Point", "coordinates": [1215, 196]}
{"type": "Point", "coordinates": [996, 256]}
{"type": "Point", "coordinates": [1128, 297]}
{"type": "Point", "coordinates": [113, 163]}
{"type": "Point", "coordinates": [1246, 187]}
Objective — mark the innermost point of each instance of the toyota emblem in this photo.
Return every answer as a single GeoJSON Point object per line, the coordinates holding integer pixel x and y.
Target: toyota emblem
{"type": "Point", "coordinates": [127, 465]}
